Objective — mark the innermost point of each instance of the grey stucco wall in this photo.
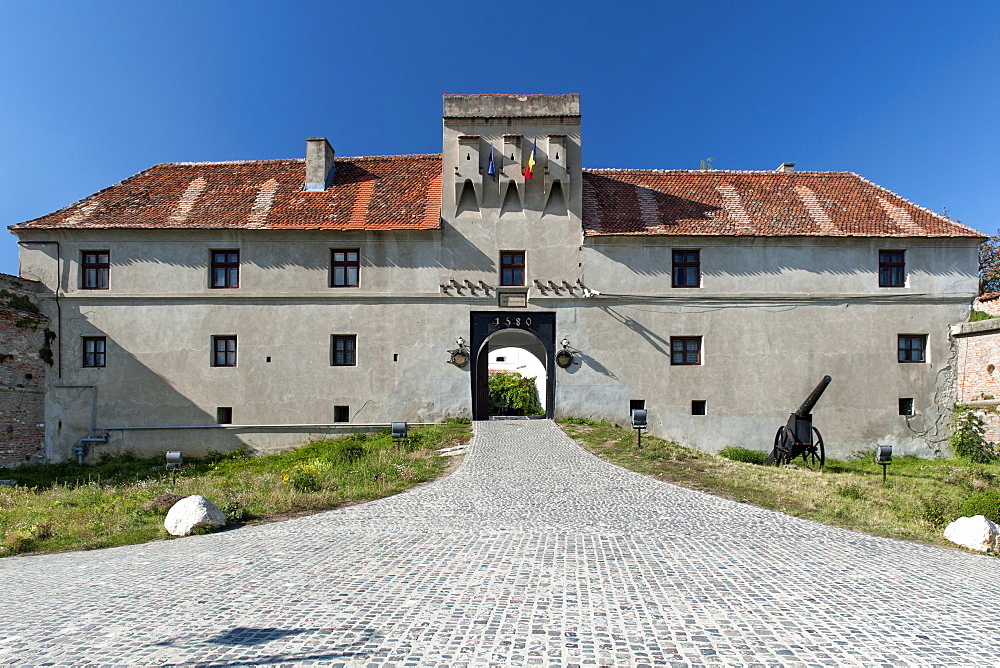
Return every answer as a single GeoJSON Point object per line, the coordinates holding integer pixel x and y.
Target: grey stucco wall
{"type": "Point", "coordinates": [763, 349]}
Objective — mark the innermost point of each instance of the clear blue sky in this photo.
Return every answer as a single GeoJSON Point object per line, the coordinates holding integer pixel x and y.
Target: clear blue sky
{"type": "Point", "coordinates": [904, 93]}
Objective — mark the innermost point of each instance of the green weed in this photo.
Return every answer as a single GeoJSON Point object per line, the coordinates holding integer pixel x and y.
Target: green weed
{"type": "Point", "coordinates": [982, 503]}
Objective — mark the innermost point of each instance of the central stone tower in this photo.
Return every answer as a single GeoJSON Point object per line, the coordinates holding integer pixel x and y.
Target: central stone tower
{"type": "Point", "coordinates": [511, 179]}
{"type": "Point", "coordinates": [515, 156]}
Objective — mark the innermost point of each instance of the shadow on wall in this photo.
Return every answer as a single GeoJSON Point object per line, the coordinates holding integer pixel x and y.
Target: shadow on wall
{"type": "Point", "coordinates": [657, 261]}
{"type": "Point", "coordinates": [129, 394]}
{"type": "Point", "coordinates": [301, 249]}
{"type": "Point", "coordinates": [661, 344]}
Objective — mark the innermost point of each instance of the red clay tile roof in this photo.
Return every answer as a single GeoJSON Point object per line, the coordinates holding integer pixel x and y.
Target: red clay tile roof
{"type": "Point", "coordinates": [401, 192]}
{"type": "Point", "coordinates": [732, 203]}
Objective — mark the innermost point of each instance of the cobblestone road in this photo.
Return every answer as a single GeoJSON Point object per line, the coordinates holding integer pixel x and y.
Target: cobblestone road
{"type": "Point", "coordinates": [532, 553]}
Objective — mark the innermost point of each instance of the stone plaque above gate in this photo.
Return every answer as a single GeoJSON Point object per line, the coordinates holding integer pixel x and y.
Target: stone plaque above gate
{"type": "Point", "coordinates": [512, 297]}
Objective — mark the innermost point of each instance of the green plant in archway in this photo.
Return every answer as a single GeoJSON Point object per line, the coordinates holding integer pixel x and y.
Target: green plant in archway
{"type": "Point", "coordinates": [513, 394]}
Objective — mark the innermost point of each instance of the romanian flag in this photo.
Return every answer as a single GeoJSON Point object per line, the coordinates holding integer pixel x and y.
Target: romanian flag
{"type": "Point", "coordinates": [529, 171]}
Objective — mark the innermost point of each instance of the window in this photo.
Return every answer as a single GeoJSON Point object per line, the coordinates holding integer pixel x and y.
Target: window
{"type": "Point", "coordinates": [512, 268]}
{"type": "Point", "coordinates": [224, 414]}
{"type": "Point", "coordinates": [687, 269]}
{"type": "Point", "coordinates": [341, 413]}
{"type": "Point", "coordinates": [224, 351]}
{"type": "Point", "coordinates": [906, 406]}
{"type": "Point", "coordinates": [93, 351]}
{"type": "Point", "coordinates": [891, 268]}
{"type": "Point", "coordinates": [343, 350]}
{"type": "Point", "coordinates": [225, 269]}
{"type": "Point", "coordinates": [344, 267]}
{"type": "Point", "coordinates": [685, 350]}
{"type": "Point", "coordinates": [96, 268]}
{"type": "Point", "coordinates": [911, 347]}
{"type": "Point", "coordinates": [698, 406]}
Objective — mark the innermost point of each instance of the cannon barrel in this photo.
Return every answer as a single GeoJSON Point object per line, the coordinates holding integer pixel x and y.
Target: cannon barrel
{"type": "Point", "coordinates": [807, 405]}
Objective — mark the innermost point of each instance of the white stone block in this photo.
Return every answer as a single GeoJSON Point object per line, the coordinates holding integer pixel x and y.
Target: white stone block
{"type": "Point", "coordinates": [192, 512]}
{"type": "Point", "coordinates": [975, 533]}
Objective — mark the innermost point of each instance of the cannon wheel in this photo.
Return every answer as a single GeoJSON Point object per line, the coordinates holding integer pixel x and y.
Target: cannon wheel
{"type": "Point", "coordinates": [815, 455]}
{"type": "Point", "coordinates": [782, 452]}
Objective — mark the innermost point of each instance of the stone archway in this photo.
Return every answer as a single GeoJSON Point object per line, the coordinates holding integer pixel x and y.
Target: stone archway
{"type": "Point", "coordinates": [530, 331]}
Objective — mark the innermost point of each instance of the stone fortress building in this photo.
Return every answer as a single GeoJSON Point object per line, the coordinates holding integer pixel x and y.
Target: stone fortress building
{"type": "Point", "coordinates": [203, 305]}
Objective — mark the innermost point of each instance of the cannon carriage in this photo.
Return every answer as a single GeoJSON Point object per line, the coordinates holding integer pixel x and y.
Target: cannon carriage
{"type": "Point", "coordinates": [798, 437]}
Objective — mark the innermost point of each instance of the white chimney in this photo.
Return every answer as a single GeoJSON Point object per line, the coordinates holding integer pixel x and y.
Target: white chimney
{"type": "Point", "coordinates": [319, 164]}
{"type": "Point", "coordinates": [786, 167]}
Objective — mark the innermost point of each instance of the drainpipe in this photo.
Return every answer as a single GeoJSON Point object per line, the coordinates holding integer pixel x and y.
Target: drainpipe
{"type": "Point", "coordinates": [58, 305]}
{"type": "Point", "coordinates": [353, 425]}
{"type": "Point", "coordinates": [80, 449]}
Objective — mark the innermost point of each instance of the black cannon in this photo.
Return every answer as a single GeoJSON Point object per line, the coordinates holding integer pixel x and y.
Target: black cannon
{"type": "Point", "coordinates": [799, 436]}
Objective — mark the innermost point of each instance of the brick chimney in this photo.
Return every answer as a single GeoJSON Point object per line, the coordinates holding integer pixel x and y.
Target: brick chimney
{"type": "Point", "coordinates": [319, 164]}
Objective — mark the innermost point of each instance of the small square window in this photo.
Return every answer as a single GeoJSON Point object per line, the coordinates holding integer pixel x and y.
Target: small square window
{"type": "Point", "coordinates": [223, 351]}
{"type": "Point", "coordinates": [341, 413]}
{"type": "Point", "coordinates": [891, 269]}
{"type": "Point", "coordinates": [225, 269]}
{"type": "Point", "coordinates": [685, 350]}
{"type": "Point", "coordinates": [911, 348]}
{"type": "Point", "coordinates": [345, 267]}
{"type": "Point", "coordinates": [94, 348]}
{"type": "Point", "coordinates": [512, 268]}
{"type": "Point", "coordinates": [96, 270]}
{"type": "Point", "coordinates": [687, 268]}
{"type": "Point", "coordinates": [344, 349]}
{"type": "Point", "coordinates": [224, 414]}
{"type": "Point", "coordinates": [698, 407]}
{"type": "Point", "coordinates": [636, 404]}
{"type": "Point", "coordinates": [905, 406]}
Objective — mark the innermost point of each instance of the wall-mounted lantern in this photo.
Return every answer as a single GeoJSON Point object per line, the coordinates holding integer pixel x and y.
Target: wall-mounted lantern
{"type": "Point", "coordinates": [460, 355]}
{"type": "Point", "coordinates": [565, 356]}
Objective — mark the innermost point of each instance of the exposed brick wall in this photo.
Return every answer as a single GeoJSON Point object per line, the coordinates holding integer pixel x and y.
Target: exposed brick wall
{"type": "Point", "coordinates": [22, 399]}
{"type": "Point", "coordinates": [979, 369]}
{"type": "Point", "coordinates": [989, 304]}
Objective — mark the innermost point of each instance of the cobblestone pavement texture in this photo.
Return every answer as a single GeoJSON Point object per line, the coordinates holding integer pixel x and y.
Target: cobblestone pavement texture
{"type": "Point", "coordinates": [533, 553]}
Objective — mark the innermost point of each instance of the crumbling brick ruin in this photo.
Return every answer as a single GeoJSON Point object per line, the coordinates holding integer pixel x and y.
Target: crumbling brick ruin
{"type": "Point", "coordinates": [22, 372]}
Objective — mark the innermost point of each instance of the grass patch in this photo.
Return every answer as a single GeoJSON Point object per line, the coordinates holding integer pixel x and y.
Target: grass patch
{"type": "Point", "coordinates": [917, 501]}
{"type": "Point", "coordinates": [65, 506]}
{"type": "Point", "coordinates": [745, 455]}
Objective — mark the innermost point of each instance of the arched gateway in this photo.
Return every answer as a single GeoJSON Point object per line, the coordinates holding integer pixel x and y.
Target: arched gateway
{"type": "Point", "coordinates": [530, 330]}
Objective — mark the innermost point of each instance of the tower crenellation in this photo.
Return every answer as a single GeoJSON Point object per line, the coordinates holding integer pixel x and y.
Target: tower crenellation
{"type": "Point", "coordinates": [507, 155]}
